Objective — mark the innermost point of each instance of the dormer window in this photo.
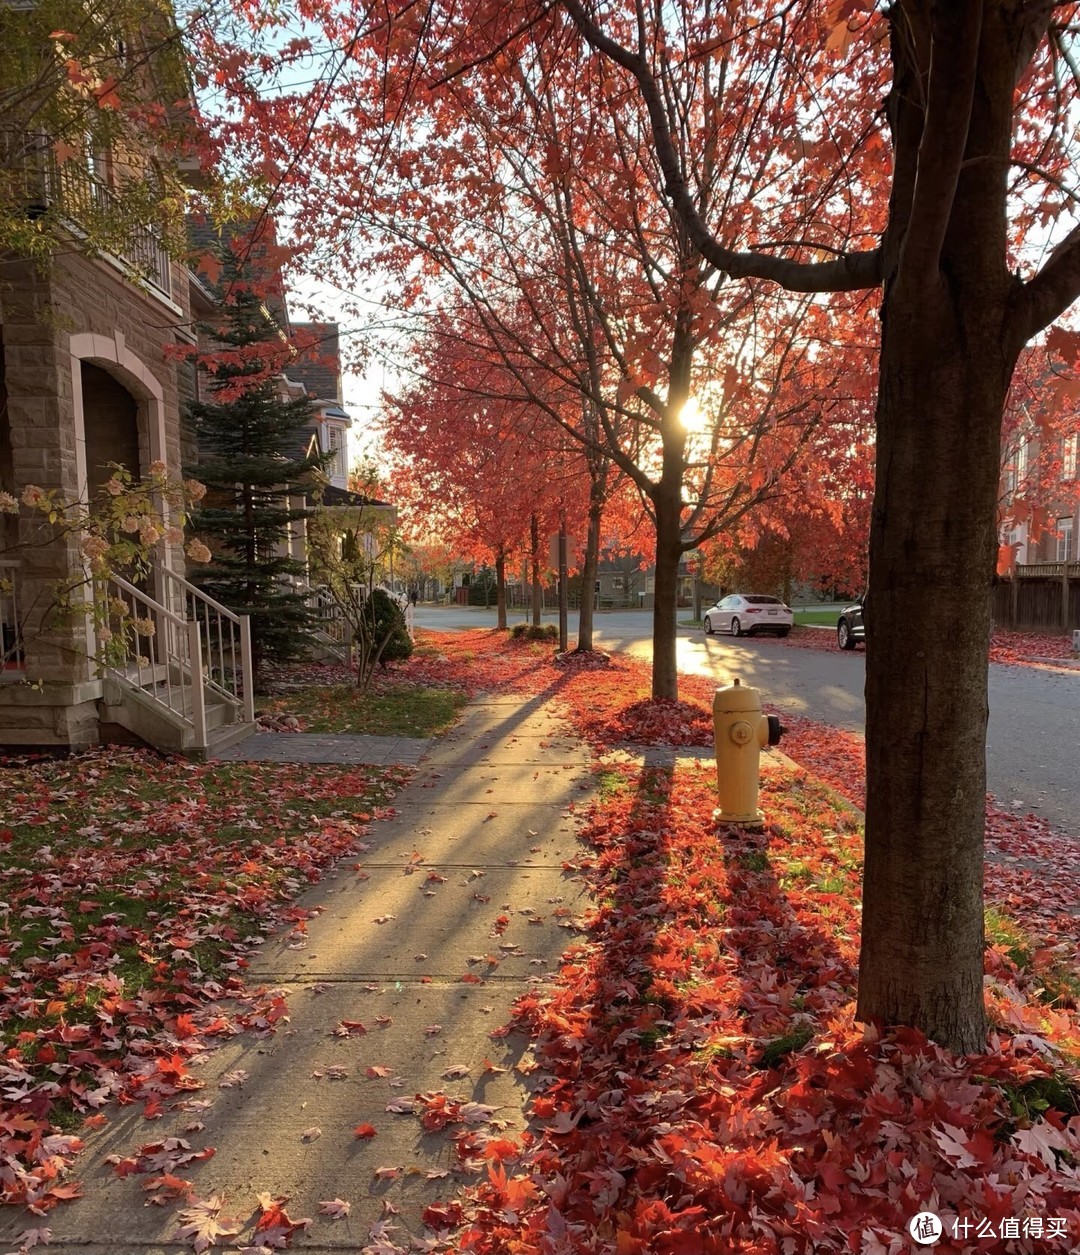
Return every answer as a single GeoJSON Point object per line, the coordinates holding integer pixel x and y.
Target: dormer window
{"type": "Point", "coordinates": [335, 445]}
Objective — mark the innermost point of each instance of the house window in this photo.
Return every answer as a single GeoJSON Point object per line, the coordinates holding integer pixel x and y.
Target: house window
{"type": "Point", "coordinates": [1068, 456]}
{"type": "Point", "coordinates": [335, 443]}
{"type": "Point", "coordinates": [1065, 535]}
{"type": "Point", "coordinates": [1016, 472]}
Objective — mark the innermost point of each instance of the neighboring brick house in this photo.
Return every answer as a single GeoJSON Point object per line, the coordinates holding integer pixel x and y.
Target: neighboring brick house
{"type": "Point", "coordinates": [1048, 481]}
{"type": "Point", "coordinates": [1062, 542]}
{"type": "Point", "coordinates": [1038, 584]}
{"type": "Point", "coordinates": [1039, 499]}
{"type": "Point", "coordinates": [84, 381]}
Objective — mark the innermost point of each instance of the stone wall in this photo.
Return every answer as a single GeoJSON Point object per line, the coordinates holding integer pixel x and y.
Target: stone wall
{"type": "Point", "coordinates": [91, 308]}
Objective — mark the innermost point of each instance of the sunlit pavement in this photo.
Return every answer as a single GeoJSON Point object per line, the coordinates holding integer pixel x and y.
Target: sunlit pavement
{"type": "Point", "coordinates": [1034, 714]}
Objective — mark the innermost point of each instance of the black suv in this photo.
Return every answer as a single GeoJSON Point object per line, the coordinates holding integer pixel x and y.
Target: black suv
{"type": "Point", "coordinates": [850, 629]}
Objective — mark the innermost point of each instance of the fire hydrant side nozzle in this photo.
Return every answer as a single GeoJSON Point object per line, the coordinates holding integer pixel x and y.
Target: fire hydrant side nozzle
{"type": "Point", "coordinates": [740, 732]}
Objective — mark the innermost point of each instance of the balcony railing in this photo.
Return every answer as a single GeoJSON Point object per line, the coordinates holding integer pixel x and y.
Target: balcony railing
{"type": "Point", "coordinates": [1048, 570]}
{"type": "Point", "coordinates": [78, 191]}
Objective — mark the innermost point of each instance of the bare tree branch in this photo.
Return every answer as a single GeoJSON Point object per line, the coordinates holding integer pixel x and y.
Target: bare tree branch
{"type": "Point", "coordinates": [1050, 293]}
{"type": "Point", "coordinates": [850, 272]}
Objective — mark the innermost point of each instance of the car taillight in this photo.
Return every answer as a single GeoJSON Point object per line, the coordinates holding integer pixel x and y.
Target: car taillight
{"type": "Point", "coordinates": [753, 609]}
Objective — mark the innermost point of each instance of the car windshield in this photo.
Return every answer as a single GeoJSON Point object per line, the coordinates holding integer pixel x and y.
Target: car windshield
{"type": "Point", "coordinates": [763, 601]}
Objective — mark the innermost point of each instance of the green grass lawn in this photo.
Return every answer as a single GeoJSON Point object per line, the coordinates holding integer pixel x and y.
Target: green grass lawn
{"type": "Point", "coordinates": [402, 710]}
{"type": "Point", "coordinates": [816, 618]}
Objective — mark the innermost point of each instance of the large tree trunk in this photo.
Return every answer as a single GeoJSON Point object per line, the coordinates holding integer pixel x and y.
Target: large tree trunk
{"type": "Point", "coordinates": [500, 589]}
{"type": "Point", "coordinates": [667, 500]}
{"type": "Point", "coordinates": [946, 362]}
{"type": "Point", "coordinates": [589, 567]}
{"type": "Point", "coordinates": [665, 676]}
{"type": "Point", "coordinates": [537, 590]}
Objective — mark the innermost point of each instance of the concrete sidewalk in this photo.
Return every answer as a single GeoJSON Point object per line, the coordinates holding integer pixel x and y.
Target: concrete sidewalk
{"type": "Point", "coordinates": [467, 879]}
{"type": "Point", "coordinates": [327, 747]}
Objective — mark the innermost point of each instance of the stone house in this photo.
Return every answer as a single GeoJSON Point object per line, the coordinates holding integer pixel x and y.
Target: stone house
{"type": "Point", "coordinates": [90, 378]}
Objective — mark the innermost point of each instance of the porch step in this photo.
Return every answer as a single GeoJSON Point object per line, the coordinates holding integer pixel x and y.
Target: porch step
{"type": "Point", "coordinates": [164, 725]}
{"type": "Point", "coordinates": [222, 739]}
{"type": "Point", "coordinates": [323, 647]}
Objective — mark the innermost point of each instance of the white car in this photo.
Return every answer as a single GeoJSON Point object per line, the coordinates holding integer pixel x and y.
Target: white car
{"type": "Point", "coordinates": [742, 614]}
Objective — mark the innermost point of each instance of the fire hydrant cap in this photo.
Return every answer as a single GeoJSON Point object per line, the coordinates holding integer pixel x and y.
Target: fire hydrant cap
{"type": "Point", "coordinates": [736, 699]}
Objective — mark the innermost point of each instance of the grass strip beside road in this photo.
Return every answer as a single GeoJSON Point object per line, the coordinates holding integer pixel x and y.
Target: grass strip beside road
{"type": "Point", "coordinates": [817, 618]}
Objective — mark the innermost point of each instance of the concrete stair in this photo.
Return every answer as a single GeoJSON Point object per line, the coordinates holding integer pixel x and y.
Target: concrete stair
{"type": "Point", "coordinates": [154, 711]}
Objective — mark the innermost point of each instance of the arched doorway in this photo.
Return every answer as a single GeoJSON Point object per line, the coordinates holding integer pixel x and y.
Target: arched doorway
{"type": "Point", "coordinates": [111, 425]}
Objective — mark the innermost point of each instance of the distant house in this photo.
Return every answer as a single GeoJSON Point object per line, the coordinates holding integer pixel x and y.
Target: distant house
{"type": "Point", "coordinates": [319, 370]}
{"type": "Point", "coordinates": [1039, 504]}
{"type": "Point", "coordinates": [1061, 541]}
{"type": "Point", "coordinates": [1040, 495]}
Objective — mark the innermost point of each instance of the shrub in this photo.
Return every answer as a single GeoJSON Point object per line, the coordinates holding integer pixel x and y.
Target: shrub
{"type": "Point", "coordinates": [384, 633]}
{"type": "Point", "coordinates": [529, 632]}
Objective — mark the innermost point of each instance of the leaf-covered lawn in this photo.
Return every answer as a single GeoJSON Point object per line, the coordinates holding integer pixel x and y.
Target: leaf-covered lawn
{"type": "Point", "coordinates": [1029, 649]}
{"type": "Point", "coordinates": [130, 885]}
{"type": "Point", "coordinates": [411, 710]}
{"type": "Point", "coordinates": [481, 661]}
{"type": "Point", "coordinates": [704, 1087]}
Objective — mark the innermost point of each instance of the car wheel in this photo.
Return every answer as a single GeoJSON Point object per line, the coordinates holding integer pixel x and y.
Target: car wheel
{"type": "Point", "coordinates": [708, 626]}
{"type": "Point", "coordinates": [783, 632]}
{"type": "Point", "coordinates": [736, 627]}
{"type": "Point", "coordinates": [843, 635]}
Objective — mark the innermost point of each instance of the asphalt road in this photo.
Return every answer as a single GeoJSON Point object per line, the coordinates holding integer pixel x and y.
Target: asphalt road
{"type": "Point", "coordinates": [1033, 745]}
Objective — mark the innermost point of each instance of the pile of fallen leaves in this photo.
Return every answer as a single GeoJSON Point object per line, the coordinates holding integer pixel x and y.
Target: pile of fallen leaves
{"type": "Point", "coordinates": [583, 659]}
{"type": "Point", "coordinates": [1029, 648]}
{"type": "Point", "coordinates": [480, 660]}
{"type": "Point", "coordinates": [612, 706]}
{"type": "Point", "coordinates": [704, 1087]}
{"type": "Point", "coordinates": [1008, 648]}
{"type": "Point", "coordinates": [661, 721]}
{"type": "Point", "coordinates": [131, 887]}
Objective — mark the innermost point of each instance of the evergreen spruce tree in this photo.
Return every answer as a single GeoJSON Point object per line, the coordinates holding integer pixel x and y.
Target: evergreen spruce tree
{"type": "Point", "coordinates": [253, 455]}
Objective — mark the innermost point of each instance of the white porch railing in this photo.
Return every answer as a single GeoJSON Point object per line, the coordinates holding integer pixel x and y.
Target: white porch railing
{"type": "Point", "coordinates": [178, 656]}
{"type": "Point", "coordinates": [11, 649]}
{"type": "Point", "coordinates": [225, 642]}
{"type": "Point", "coordinates": [332, 629]}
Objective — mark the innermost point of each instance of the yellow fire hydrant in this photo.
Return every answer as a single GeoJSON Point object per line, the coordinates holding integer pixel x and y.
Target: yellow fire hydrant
{"type": "Point", "coordinates": [740, 732]}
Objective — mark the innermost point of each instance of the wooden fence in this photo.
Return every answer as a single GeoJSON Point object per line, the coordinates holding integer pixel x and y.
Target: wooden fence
{"type": "Point", "coordinates": [1040, 597]}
